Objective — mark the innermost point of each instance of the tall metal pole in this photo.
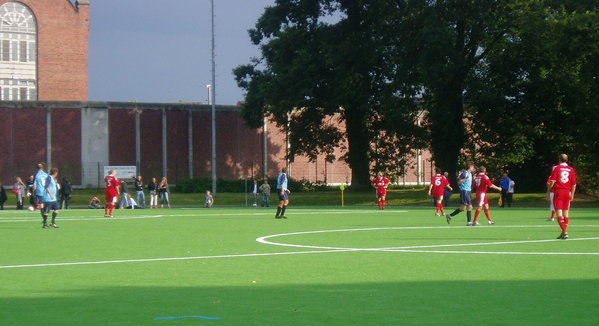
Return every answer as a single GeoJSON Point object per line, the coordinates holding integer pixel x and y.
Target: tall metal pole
{"type": "Point", "coordinates": [213, 93]}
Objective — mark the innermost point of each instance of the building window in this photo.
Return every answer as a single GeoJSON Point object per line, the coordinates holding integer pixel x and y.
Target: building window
{"type": "Point", "coordinates": [18, 52]}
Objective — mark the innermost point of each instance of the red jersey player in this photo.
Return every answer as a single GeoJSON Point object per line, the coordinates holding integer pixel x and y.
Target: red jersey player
{"type": "Point", "coordinates": [437, 189]}
{"type": "Point", "coordinates": [380, 183]}
{"type": "Point", "coordinates": [112, 193]}
{"type": "Point", "coordinates": [482, 183]}
{"type": "Point", "coordinates": [563, 183]}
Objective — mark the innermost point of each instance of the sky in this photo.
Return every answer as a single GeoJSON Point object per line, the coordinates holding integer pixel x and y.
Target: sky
{"type": "Point", "coordinates": [160, 51]}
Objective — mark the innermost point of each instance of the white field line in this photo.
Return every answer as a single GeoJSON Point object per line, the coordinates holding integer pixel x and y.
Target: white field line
{"type": "Point", "coordinates": [168, 259]}
{"type": "Point", "coordinates": [263, 239]}
{"type": "Point", "coordinates": [36, 218]}
{"type": "Point", "coordinates": [407, 249]}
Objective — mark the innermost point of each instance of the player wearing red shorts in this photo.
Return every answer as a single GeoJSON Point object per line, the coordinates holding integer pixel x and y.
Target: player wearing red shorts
{"type": "Point", "coordinates": [437, 189]}
{"type": "Point", "coordinates": [380, 183]}
{"type": "Point", "coordinates": [563, 183]}
{"type": "Point", "coordinates": [482, 183]}
{"type": "Point", "coordinates": [112, 193]}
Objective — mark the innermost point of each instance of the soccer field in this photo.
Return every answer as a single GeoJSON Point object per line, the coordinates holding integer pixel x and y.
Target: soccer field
{"type": "Point", "coordinates": [322, 266]}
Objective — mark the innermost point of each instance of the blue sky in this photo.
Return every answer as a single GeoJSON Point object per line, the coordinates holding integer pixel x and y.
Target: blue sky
{"type": "Point", "coordinates": [159, 51]}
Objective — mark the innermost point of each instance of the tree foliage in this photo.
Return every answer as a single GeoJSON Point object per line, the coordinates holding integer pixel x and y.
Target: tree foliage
{"type": "Point", "coordinates": [324, 60]}
{"type": "Point", "coordinates": [505, 83]}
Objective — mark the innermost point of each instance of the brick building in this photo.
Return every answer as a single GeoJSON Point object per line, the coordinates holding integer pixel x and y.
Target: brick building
{"type": "Point", "coordinates": [44, 83]}
{"type": "Point", "coordinates": [44, 50]}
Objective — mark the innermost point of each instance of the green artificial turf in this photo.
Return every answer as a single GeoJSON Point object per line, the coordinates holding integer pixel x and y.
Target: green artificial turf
{"type": "Point", "coordinates": [401, 266]}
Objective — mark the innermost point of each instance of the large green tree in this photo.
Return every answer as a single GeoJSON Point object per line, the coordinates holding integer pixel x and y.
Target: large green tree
{"type": "Point", "coordinates": [538, 96]}
{"type": "Point", "coordinates": [324, 60]}
{"type": "Point", "coordinates": [439, 46]}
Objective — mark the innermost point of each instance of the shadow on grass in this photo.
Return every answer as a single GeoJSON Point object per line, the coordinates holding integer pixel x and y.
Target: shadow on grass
{"type": "Point", "coordinates": [555, 302]}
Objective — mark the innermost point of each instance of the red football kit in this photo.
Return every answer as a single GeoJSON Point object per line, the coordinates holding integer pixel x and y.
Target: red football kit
{"type": "Point", "coordinates": [112, 192]}
{"type": "Point", "coordinates": [565, 179]}
{"type": "Point", "coordinates": [381, 186]}
{"type": "Point", "coordinates": [439, 182]}
{"type": "Point", "coordinates": [482, 183]}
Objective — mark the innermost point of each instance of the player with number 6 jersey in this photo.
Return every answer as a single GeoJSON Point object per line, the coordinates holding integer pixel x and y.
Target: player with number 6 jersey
{"type": "Point", "coordinates": [563, 184]}
{"type": "Point", "coordinates": [437, 189]}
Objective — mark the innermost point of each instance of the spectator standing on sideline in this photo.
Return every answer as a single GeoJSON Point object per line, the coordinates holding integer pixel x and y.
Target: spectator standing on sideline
{"type": "Point", "coordinates": [163, 190]}
{"type": "Point", "coordinates": [30, 192]}
{"type": "Point", "coordinates": [283, 193]}
{"type": "Point", "coordinates": [265, 190]}
{"type": "Point", "coordinates": [465, 183]}
{"type": "Point", "coordinates": [563, 184]}
{"type": "Point", "coordinates": [504, 183]}
{"type": "Point", "coordinates": [124, 192]}
{"type": "Point", "coordinates": [18, 189]}
{"type": "Point", "coordinates": [208, 199]}
{"type": "Point", "coordinates": [50, 199]}
{"type": "Point", "coordinates": [153, 189]}
{"type": "Point", "coordinates": [3, 197]}
{"type": "Point", "coordinates": [255, 193]}
{"type": "Point", "coordinates": [94, 203]}
{"type": "Point", "coordinates": [65, 193]}
{"type": "Point", "coordinates": [448, 192]}
{"type": "Point", "coordinates": [139, 192]}
{"type": "Point", "coordinates": [510, 193]}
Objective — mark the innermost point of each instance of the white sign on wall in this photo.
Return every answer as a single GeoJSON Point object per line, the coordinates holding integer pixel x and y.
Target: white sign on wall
{"type": "Point", "coordinates": [122, 172]}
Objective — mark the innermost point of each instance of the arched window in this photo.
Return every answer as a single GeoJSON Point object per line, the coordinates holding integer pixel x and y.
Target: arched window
{"type": "Point", "coordinates": [18, 53]}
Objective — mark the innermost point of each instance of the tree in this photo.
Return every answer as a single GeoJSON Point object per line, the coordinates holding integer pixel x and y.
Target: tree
{"type": "Point", "coordinates": [323, 60]}
{"type": "Point", "coordinates": [438, 46]}
{"type": "Point", "coordinates": [538, 96]}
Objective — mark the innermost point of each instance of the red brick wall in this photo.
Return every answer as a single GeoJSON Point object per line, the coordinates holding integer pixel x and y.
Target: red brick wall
{"type": "Point", "coordinates": [23, 135]}
{"type": "Point", "coordinates": [151, 144]}
{"type": "Point", "coordinates": [66, 143]}
{"type": "Point", "coordinates": [63, 32]}
{"type": "Point", "coordinates": [121, 136]}
{"type": "Point", "coordinates": [202, 146]}
{"type": "Point", "coordinates": [177, 153]}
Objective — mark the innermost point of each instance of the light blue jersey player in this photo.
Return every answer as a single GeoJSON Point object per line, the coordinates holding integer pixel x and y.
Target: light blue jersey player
{"type": "Point", "coordinates": [283, 192]}
{"type": "Point", "coordinates": [465, 183]}
{"type": "Point", "coordinates": [38, 186]}
{"type": "Point", "coordinates": [49, 197]}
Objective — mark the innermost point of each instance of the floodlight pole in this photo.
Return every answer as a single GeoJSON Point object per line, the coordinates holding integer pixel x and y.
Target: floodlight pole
{"type": "Point", "coordinates": [213, 101]}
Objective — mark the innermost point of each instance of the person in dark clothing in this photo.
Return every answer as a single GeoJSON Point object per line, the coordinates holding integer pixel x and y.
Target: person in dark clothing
{"type": "Point", "coordinates": [3, 197]}
{"type": "Point", "coordinates": [139, 192]}
{"type": "Point", "coordinates": [64, 194]}
{"type": "Point", "coordinates": [153, 189]}
{"type": "Point", "coordinates": [124, 192]}
{"type": "Point", "coordinates": [30, 191]}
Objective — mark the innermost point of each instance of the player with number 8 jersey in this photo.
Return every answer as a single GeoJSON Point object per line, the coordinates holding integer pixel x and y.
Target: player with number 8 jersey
{"type": "Point", "coordinates": [563, 184]}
